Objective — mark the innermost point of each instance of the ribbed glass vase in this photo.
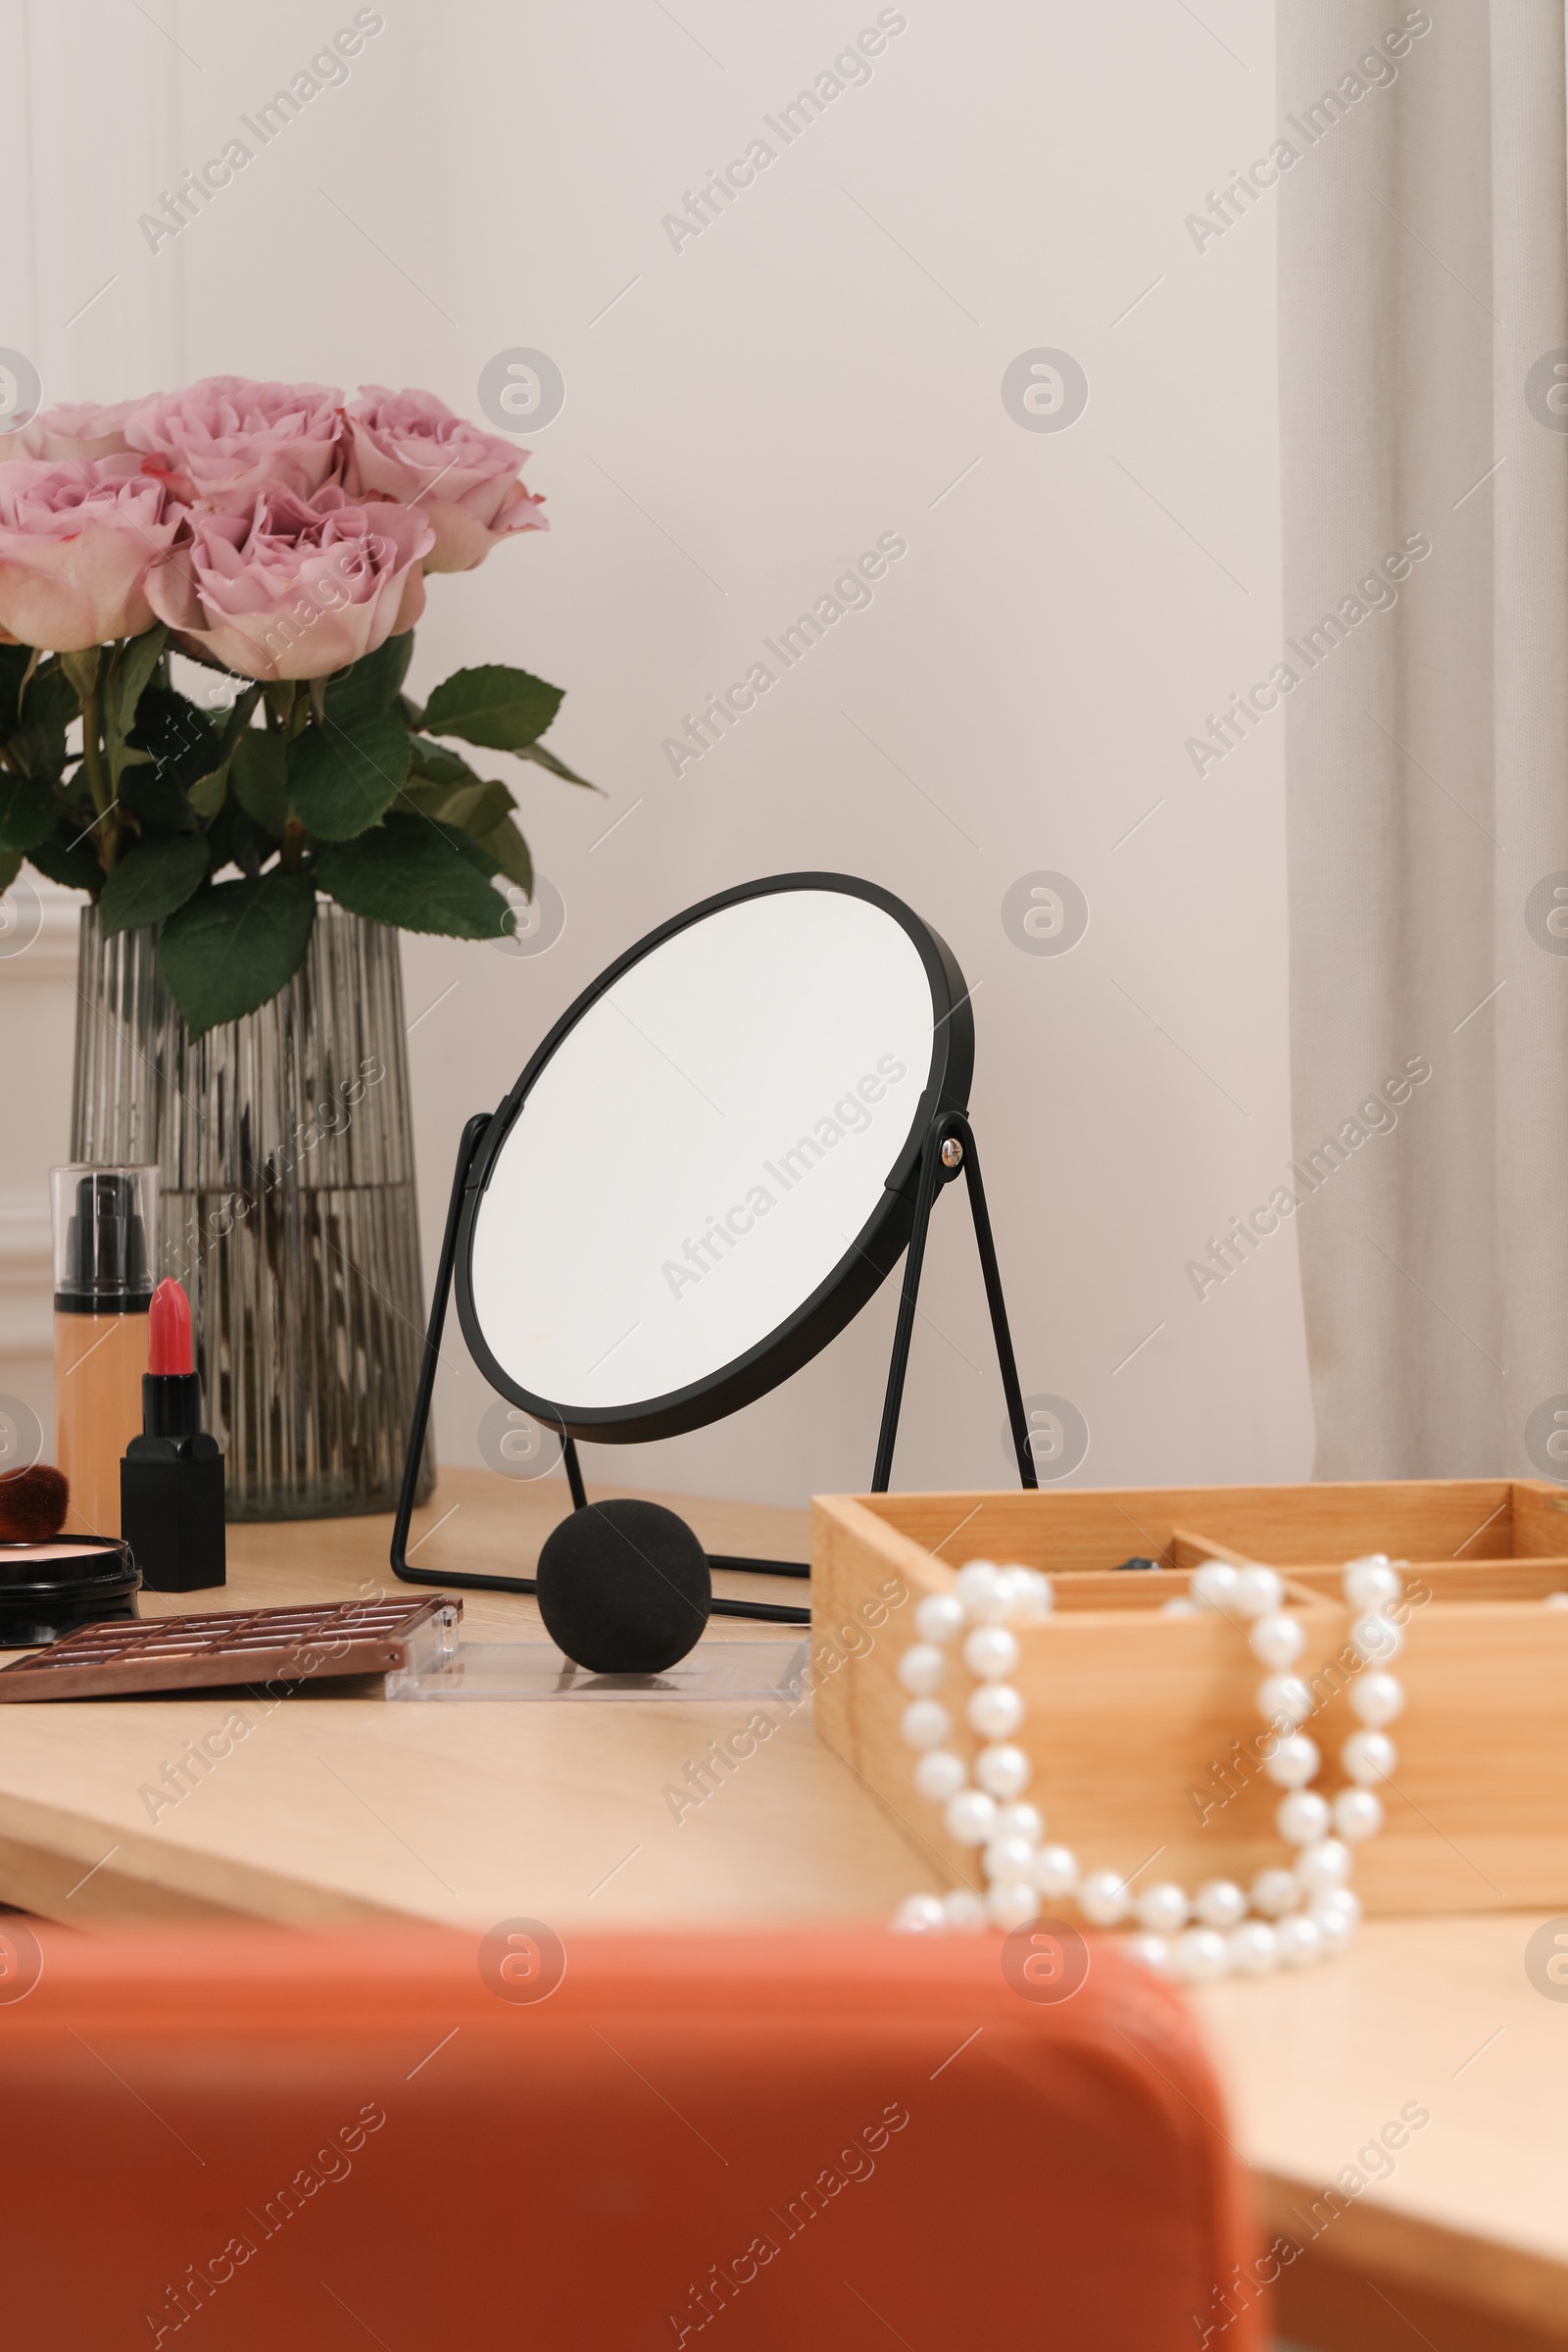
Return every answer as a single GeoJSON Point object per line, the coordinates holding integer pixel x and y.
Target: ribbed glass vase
{"type": "Point", "coordinates": [286, 1155]}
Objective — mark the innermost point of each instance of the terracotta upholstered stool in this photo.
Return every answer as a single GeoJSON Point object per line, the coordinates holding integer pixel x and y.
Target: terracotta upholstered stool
{"type": "Point", "coordinates": [774, 2142]}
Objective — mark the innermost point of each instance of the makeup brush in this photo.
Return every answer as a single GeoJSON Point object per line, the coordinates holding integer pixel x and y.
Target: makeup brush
{"type": "Point", "coordinates": [33, 1504]}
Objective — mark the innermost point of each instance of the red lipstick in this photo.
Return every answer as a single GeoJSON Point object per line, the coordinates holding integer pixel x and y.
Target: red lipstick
{"type": "Point", "coordinates": [168, 1342]}
{"type": "Point", "coordinates": [172, 1479]}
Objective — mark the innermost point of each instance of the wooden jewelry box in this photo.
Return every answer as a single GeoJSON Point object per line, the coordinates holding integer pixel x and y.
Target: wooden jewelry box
{"type": "Point", "coordinates": [1143, 1728]}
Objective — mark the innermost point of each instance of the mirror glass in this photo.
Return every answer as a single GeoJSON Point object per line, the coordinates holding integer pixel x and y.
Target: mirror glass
{"type": "Point", "coordinates": [698, 1156]}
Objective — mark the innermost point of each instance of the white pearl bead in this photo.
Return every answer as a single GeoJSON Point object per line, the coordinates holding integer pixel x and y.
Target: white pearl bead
{"type": "Point", "coordinates": [922, 1668]}
{"type": "Point", "coordinates": [1371, 1584]}
{"type": "Point", "coordinates": [963, 1910]}
{"type": "Point", "coordinates": [939, 1617]}
{"type": "Point", "coordinates": [1377, 1639]}
{"type": "Point", "coordinates": [1291, 1759]}
{"type": "Point", "coordinates": [1335, 1930]}
{"type": "Point", "coordinates": [1276, 1640]}
{"type": "Point", "coordinates": [1303, 1817]}
{"type": "Point", "coordinates": [1181, 1607]}
{"type": "Point", "coordinates": [918, 1915]}
{"type": "Point", "coordinates": [1254, 1949]}
{"type": "Point", "coordinates": [1377, 1698]}
{"type": "Point", "coordinates": [1009, 1907]}
{"type": "Point", "coordinates": [1103, 1898]}
{"type": "Point", "coordinates": [995, 1711]}
{"type": "Point", "coordinates": [1358, 1814]}
{"type": "Point", "coordinates": [1021, 1821]}
{"type": "Point", "coordinates": [991, 1651]}
{"type": "Point", "coordinates": [1020, 1587]}
{"type": "Point", "coordinates": [925, 1723]}
{"type": "Point", "coordinates": [1039, 1595]}
{"type": "Point", "coordinates": [1369, 1756]}
{"type": "Point", "coordinates": [1150, 1951]}
{"type": "Point", "coordinates": [1283, 1699]}
{"type": "Point", "coordinates": [1215, 1585]}
{"type": "Point", "coordinates": [1220, 1903]}
{"type": "Point", "coordinates": [1300, 1941]}
{"type": "Point", "coordinates": [1007, 1858]}
{"type": "Point", "coordinates": [940, 1774]}
{"type": "Point", "coordinates": [984, 1595]}
{"type": "Point", "coordinates": [1003, 1769]}
{"type": "Point", "coordinates": [1164, 1908]}
{"type": "Point", "coordinates": [1343, 1899]}
{"type": "Point", "coordinates": [1200, 1956]}
{"type": "Point", "coordinates": [1258, 1591]}
{"type": "Point", "coordinates": [1274, 1891]}
{"type": "Point", "coordinates": [970, 1817]}
{"type": "Point", "coordinates": [1323, 1867]}
{"type": "Point", "coordinates": [1558, 1601]}
{"type": "Point", "coordinates": [1056, 1871]}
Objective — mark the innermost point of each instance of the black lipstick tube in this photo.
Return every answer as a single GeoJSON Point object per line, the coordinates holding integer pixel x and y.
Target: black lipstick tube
{"type": "Point", "coordinates": [171, 1490]}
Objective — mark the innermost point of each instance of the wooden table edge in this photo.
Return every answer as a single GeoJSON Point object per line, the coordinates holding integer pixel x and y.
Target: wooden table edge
{"type": "Point", "coordinates": [1489, 2273]}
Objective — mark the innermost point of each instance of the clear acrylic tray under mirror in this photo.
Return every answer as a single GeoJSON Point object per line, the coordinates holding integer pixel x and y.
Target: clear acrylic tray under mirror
{"type": "Point", "coordinates": [726, 1670]}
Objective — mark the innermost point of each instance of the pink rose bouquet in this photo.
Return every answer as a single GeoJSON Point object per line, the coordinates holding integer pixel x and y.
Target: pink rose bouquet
{"type": "Point", "coordinates": [281, 535]}
{"type": "Point", "coordinates": [78, 542]}
{"type": "Point", "coordinates": [294, 588]}
{"type": "Point", "coordinates": [222, 440]}
{"type": "Point", "coordinates": [74, 429]}
{"type": "Point", "coordinates": [409, 447]}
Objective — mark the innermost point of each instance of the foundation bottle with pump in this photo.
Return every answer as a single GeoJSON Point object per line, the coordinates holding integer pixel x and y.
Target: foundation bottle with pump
{"type": "Point", "coordinates": [104, 1234]}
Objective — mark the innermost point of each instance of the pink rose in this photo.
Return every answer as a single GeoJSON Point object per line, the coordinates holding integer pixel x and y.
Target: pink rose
{"type": "Point", "coordinates": [409, 447]}
{"type": "Point", "coordinates": [219, 442]}
{"type": "Point", "coordinates": [294, 588]}
{"type": "Point", "coordinates": [75, 542]}
{"type": "Point", "coordinates": [74, 429]}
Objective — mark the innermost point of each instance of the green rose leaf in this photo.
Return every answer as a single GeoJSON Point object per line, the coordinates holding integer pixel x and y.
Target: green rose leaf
{"type": "Point", "coordinates": [259, 776]}
{"type": "Point", "coordinates": [417, 875]}
{"type": "Point", "coordinates": [70, 859]}
{"type": "Point", "coordinates": [231, 948]}
{"type": "Point", "coordinates": [557, 768]}
{"type": "Point", "coordinates": [503, 708]}
{"type": "Point", "coordinates": [28, 812]}
{"type": "Point", "coordinates": [341, 780]}
{"type": "Point", "coordinates": [370, 686]}
{"type": "Point", "coordinates": [478, 807]}
{"type": "Point", "coordinates": [138, 659]}
{"type": "Point", "coordinates": [249, 843]}
{"type": "Point", "coordinates": [150, 882]}
{"type": "Point", "coordinates": [421, 799]}
{"type": "Point", "coordinates": [437, 765]}
{"type": "Point", "coordinates": [13, 662]}
{"type": "Point", "coordinates": [48, 707]}
{"type": "Point", "coordinates": [206, 792]}
{"type": "Point", "coordinates": [507, 852]}
{"type": "Point", "coordinates": [179, 739]}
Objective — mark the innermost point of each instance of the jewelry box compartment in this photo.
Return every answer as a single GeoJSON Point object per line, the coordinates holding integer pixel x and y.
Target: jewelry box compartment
{"type": "Point", "coordinates": [1143, 1726]}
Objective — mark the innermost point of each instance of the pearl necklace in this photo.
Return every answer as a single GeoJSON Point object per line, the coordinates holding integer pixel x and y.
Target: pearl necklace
{"type": "Point", "coordinates": [1289, 1917]}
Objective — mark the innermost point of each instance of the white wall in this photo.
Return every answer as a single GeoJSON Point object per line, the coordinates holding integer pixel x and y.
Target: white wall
{"type": "Point", "coordinates": [820, 367]}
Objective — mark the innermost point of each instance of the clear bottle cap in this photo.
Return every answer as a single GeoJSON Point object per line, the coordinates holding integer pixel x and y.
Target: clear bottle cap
{"type": "Point", "coordinates": [105, 1239]}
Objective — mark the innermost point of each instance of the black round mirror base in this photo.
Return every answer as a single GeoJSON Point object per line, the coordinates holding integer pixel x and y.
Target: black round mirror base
{"type": "Point", "coordinates": [624, 1586]}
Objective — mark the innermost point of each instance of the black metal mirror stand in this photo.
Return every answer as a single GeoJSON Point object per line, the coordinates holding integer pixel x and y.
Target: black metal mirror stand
{"type": "Point", "coordinates": [948, 1151]}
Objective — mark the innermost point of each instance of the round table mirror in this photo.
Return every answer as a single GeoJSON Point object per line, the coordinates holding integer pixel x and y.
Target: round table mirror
{"type": "Point", "coordinates": [711, 1163]}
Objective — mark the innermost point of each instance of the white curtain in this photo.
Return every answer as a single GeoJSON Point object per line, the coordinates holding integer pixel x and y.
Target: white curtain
{"type": "Point", "coordinates": [1424, 319]}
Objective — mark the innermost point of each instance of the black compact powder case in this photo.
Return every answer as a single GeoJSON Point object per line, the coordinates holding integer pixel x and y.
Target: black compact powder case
{"type": "Point", "coordinates": [50, 1588]}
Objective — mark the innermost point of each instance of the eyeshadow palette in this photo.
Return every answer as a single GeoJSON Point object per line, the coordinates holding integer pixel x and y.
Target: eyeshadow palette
{"type": "Point", "coordinates": [238, 1646]}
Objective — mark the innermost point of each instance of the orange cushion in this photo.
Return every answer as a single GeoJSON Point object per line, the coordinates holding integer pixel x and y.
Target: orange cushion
{"type": "Point", "coordinates": [800, 2140]}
